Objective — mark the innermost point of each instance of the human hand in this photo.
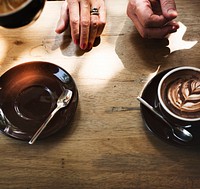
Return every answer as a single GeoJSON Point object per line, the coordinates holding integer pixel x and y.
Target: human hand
{"type": "Point", "coordinates": [85, 27]}
{"type": "Point", "coordinates": [153, 18]}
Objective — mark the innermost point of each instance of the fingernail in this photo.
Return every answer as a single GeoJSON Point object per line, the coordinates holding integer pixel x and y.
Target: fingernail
{"type": "Point", "coordinates": [173, 29]}
{"type": "Point", "coordinates": [83, 46]}
{"type": "Point", "coordinates": [172, 12]}
{"type": "Point", "coordinates": [90, 45]}
{"type": "Point", "coordinates": [76, 41]}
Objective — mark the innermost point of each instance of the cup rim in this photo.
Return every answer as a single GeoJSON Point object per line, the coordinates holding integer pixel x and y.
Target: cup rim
{"type": "Point", "coordinates": [16, 10]}
{"type": "Point", "coordinates": [159, 94]}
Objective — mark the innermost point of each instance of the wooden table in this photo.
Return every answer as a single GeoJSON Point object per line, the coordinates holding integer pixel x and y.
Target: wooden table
{"type": "Point", "coordinates": [108, 145]}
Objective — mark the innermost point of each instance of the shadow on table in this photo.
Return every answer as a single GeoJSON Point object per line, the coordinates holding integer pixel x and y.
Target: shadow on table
{"type": "Point", "coordinates": [149, 53]}
{"type": "Point", "coordinates": [67, 46]}
{"type": "Point", "coordinates": [144, 52]}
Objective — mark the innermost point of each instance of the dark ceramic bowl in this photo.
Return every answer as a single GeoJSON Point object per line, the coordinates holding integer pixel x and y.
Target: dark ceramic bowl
{"type": "Point", "coordinates": [26, 13]}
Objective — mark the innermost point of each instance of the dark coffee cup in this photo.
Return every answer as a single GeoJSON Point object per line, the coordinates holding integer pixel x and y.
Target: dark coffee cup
{"type": "Point", "coordinates": [18, 13]}
{"type": "Point", "coordinates": [179, 96]}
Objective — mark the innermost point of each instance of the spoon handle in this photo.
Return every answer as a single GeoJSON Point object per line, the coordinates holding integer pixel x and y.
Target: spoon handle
{"type": "Point", "coordinates": [178, 132]}
{"type": "Point", "coordinates": [43, 126]}
{"type": "Point", "coordinates": [152, 109]}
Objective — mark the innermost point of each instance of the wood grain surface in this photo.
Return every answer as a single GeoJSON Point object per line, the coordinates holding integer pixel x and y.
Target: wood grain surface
{"type": "Point", "coordinates": [107, 144]}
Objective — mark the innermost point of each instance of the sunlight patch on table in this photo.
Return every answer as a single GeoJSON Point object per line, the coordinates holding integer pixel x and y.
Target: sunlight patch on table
{"type": "Point", "coordinates": [176, 41]}
{"type": "Point", "coordinates": [149, 78]}
{"type": "Point", "coordinates": [101, 65]}
{"type": "Point", "coordinates": [3, 49]}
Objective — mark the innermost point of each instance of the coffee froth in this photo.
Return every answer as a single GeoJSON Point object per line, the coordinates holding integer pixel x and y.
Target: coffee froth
{"type": "Point", "coordinates": [180, 93]}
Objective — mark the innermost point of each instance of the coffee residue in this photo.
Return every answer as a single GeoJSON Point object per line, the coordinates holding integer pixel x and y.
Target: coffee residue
{"type": "Point", "coordinates": [7, 6]}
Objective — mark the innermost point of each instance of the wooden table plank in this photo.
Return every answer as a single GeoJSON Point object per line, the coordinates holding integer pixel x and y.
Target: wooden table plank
{"type": "Point", "coordinates": [107, 145]}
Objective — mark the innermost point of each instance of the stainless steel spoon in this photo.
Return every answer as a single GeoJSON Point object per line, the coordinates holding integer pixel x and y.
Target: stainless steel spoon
{"type": "Point", "coordinates": [179, 132]}
{"type": "Point", "coordinates": [62, 102]}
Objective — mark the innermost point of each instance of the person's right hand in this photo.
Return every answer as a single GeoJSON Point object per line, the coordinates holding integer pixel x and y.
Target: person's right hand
{"type": "Point", "coordinates": [153, 18]}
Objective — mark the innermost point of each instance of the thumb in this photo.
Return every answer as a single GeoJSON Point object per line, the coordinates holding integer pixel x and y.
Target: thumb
{"type": "Point", "coordinates": [168, 9]}
{"type": "Point", "coordinates": [64, 19]}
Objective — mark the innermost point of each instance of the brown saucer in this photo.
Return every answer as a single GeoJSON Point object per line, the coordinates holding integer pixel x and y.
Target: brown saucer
{"type": "Point", "coordinates": [28, 93]}
{"type": "Point", "coordinates": [157, 126]}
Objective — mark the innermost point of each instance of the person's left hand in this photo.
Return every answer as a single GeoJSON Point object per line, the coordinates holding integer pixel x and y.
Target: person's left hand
{"type": "Point", "coordinates": [153, 18]}
{"type": "Point", "coordinates": [85, 26]}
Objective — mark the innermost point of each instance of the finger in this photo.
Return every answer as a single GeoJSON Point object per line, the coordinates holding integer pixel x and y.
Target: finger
{"type": "Point", "coordinates": [159, 33]}
{"type": "Point", "coordinates": [85, 24]}
{"type": "Point", "coordinates": [63, 20]}
{"type": "Point", "coordinates": [94, 22]}
{"type": "Point", "coordinates": [173, 23]}
{"type": "Point", "coordinates": [153, 32]}
{"type": "Point", "coordinates": [74, 20]}
{"type": "Point", "coordinates": [168, 9]}
{"type": "Point", "coordinates": [147, 17]}
{"type": "Point", "coordinates": [102, 19]}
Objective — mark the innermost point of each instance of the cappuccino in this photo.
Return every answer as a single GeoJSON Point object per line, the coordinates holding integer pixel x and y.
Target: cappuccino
{"type": "Point", "coordinates": [179, 93]}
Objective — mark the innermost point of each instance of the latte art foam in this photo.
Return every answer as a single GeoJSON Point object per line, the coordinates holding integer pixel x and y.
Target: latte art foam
{"type": "Point", "coordinates": [181, 94]}
{"type": "Point", "coordinates": [185, 95]}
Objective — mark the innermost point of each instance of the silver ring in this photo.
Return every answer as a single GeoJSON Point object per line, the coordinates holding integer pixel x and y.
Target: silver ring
{"type": "Point", "coordinates": [94, 11]}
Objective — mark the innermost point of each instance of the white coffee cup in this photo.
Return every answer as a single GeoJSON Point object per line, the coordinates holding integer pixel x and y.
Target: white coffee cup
{"type": "Point", "coordinates": [179, 95]}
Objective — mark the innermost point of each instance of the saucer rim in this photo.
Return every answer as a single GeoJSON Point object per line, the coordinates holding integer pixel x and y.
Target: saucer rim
{"type": "Point", "coordinates": [72, 105]}
{"type": "Point", "coordinates": [168, 139]}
